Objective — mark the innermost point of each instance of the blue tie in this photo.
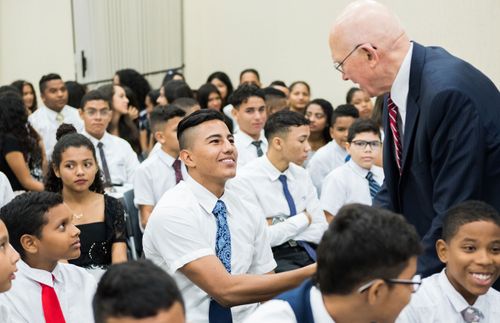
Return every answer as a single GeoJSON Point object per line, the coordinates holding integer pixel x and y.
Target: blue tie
{"type": "Point", "coordinates": [293, 211]}
{"type": "Point", "coordinates": [216, 312]}
{"type": "Point", "coordinates": [372, 184]}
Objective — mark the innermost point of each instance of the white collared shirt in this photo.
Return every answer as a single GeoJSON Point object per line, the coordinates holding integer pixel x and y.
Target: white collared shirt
{"type": "Point", "coordinates": [182, 229]}
{"type": "Point", "coordinates": [326, 159]}
{"type": "Point", "coordinates": [121, 158]}
{"type": "Point", "coordinates": [74, 288]}
{"type": "Point", "coordinates": [45, 123]}
{"type": "Point", "coordinates": [438, 301]}
{"type": "Point", "coordinates": [401, 86]}
{"type": "Point", "coordinates": [258, 182]}
{"type": "Point", "coordinates": [154, 177]}
{"type": "Point", "coordinates": [246, 151]}
{"type": "Point", "coordinates": [279, 311]}
{"type": "Point", "coordinates": [6, 193]}
{"type": "Point", "coordinates": [348, 184]}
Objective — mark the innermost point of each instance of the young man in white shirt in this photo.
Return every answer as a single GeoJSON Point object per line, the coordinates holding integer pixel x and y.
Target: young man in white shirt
{"type": "Point", "coordinates": [281, 191]}
{"type": "Point", "coordinates": [334, 153]}
{"type": "Point", "coordinates": [41, 230]}
{"type": "Point", "coordinates": [367, 260]}
{"type": "Point", "coordinates": [207, 237]}
{"type": "Point", "coordinates": [249, 111]}
{"type": "Point", "coordinates": [138, 292]}
{"type": "Point", "coordinates": [462, 292]}
{"type": "Point", "coordinates": [117, 160]}
{"type": "Point", "coordinates": [358, 180]}
{"type": "Point", "coordinates": [54, 111]}
{"type": "Point", "coordinates": [163, 170]}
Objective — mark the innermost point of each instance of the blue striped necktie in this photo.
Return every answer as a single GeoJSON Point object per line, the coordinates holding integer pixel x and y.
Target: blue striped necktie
{"type": "Point", "coordinates": [372, 184]}
{"type": "Point", "coordinates": [216, 312]}
{"type": "Point", "coordinates": [293, 211]}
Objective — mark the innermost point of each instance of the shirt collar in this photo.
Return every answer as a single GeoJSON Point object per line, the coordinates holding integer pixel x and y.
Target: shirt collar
{"type": "Point", "coordinates": [166, 158]}
{"type": "Point", "coordinates": [318, 306]}
{"type": "Point", "coordinates": [273, 172]}
{"type": "Point", "coordinates": [337, 148]}
{"type": "Point", "coordinates": [206, 199]}
{"type": "Point", "coordinates": [401, 85]}
{"type": "Point", "coordinates": [52, 114]}
{"type": "Point", "coordinates": [246, 140]}
{"type": "Point", "coordinates": [105, 138]}
{"type": "Point", "coordinates": [358, 169]}
{"type": "Point", "coordinates": [40, 275]}
{"type": "Point", "coordinates": [456, 299]}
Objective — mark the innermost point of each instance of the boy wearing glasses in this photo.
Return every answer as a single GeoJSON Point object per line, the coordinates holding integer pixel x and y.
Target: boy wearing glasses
{"type": "Point", "coordinates": [470, 248]}
{"type": "Point", "coordinates": [358, 180]}
{"type": "Point", "coordinates": [366, 266]}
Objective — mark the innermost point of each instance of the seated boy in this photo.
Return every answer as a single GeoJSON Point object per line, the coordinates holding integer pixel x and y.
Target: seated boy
{"type": "Point", "coordinates": [470, 248]}
{"type": "Point", "coordinates": [358, 180]}
{"type": "Point", "coordinates": [137, 291]}
{"type": "Point", "coordinates": [163, 169]}
{"type": "Point", "coordinates": [45, 290]}
{"type": "Point", "coordinates": [334, 153]}
{"type": "Point", "coordinates": [367, 260]}
{"type": "Point", "coordinates": [8, 260]}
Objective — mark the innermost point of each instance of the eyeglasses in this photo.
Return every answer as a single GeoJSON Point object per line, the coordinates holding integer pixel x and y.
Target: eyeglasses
{"type": "Point", "coordinates": [416, 281]}
{"type": "Point", "coordinates": [94, 112]}
{"type": "Point", "coordinates": [361, 144]}
{"type": "Point", "coordinates": [338, 66]}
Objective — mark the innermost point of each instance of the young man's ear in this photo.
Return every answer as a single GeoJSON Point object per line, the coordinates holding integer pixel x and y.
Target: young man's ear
{"type": "Point", "coordinates": [377, 292]}
{"type": "Point", "coordinates": [442, 250]}
{"type": "Point", "coordinates": [234, 113]}
{"type": "Point", "coordinates": [29, 243]}
{"type": "Point", "coordinates": [186, 157]}
{"type": "Point", "coordinates": [159, 137]}
{"type": "Point", "coordinates": [277, 143]}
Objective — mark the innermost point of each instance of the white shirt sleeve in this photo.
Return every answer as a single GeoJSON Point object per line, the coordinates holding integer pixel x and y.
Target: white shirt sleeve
{"type": "Point", "coordinates": [334, 193]}
{"type": "Point", "coordinates": [318, 225]}
{"type": "Point", "coordinates": [143, 188]}
{"type": "Point", "coordinates": [131, 164]}
{"type": "Point", "coordinates": [274, 311]}
{"type": "Point", "coordinates": [6, 193]}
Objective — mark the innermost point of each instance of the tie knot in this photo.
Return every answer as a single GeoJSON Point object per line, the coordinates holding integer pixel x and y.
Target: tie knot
{"type": "Point", "coordinates": [257, 143]}
{"type": "Point", "coordinates": [219, 209]}
{"type": "Point", "coordinates": [369, 176]}
{"type": "Point", "coordinates": [282, 178]}
{"type": "Point", "coordinates": [176, 164]}
{"type": "Point", "coordinates": [100, 144]}
{"type": "Point", "coordinates": [472, 315]}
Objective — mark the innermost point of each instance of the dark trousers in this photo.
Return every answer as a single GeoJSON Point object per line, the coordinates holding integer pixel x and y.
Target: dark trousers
{"type": "Point", "coordinates": [290, 258]}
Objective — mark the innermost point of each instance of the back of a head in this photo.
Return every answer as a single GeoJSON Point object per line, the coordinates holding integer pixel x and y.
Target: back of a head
{"type": "Point", "coordinates": [244, 92]}
{"type": "Point", "coordinates": [344, 110]}
{"type": "Point", "coordinates": [13, 114]}
{"type": "Point", "coordinates": [134, 290]}
{"type": "Point", "coordinates": [194, 119]}
{"type": "Point", "coordinates": [46, 78]}
{"type": "Point", "coordinates": [136, 82]}
{"type": "Point", "coordinates": [161, 114]}
{"type": "Point", "coordinates": [467, 212]}
{"type": "Point", "coordinates": [364, 243]}
{"type": "Point", "coordinates": [360, 126]}
{"type": "Point", "coordinates": [76, 91]}
{"type": "Point", "coordinates": [25, 215]}
{"type": "Point", "coordinates": [175, 89]}
{"type": "Point", "coordinates": [280, 122]}
{"type": "Point", "coordinates": [186, 104]}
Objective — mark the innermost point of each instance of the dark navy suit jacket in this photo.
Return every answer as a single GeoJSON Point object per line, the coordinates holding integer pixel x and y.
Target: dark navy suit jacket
{"type": "Point", "coordinates": [451, 146]}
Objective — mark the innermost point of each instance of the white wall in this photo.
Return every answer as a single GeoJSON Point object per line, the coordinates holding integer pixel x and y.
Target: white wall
{"type": "Point", "coordinates": [36, 38]}
{"type": "Point", "coordinates": [288, 39]}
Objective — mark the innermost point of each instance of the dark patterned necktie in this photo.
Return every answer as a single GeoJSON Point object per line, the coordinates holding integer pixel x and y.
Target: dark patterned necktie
{"type": "Point", "coordinates": [257, 145]}
{"type": "Point", "coordinates": [177, 169]}
{"type": "Point", "coordinates": [107, 176]}
{"type": "Point", "coordinates": [372, 184]}
{"type": "Point", "coordinates": [472, 315]}
{"type": "Point", "coordinates": [396, 137]}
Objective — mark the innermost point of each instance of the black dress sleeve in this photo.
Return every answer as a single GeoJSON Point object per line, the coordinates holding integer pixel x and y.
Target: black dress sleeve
{"type": "Point", "coordinates": [114, 217]}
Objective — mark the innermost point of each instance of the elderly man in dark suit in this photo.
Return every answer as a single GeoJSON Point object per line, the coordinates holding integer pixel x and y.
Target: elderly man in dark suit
{"type": "Point", "coordinates": [441, 118]}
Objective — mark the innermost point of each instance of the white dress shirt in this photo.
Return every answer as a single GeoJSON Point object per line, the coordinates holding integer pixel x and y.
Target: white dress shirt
{"type": "Point", "coordinates": [121, 158]}
{"type": "Point", "coordinates": [437, 301]}
{"type": "Point", "coordinates": [45, 123]}
{"type": "Point", "coordinates": [326, 159]}
{"type": "Point", "coordinates": [6, 193]}
{"type": "Point", "coordinates": [348, 184]}
{"type": "Point", "coordinates": [74, 288]}
{"type": "Point", "coordinates": [182, 229]}
{"type": "Point", "coordinates": [246, 151]}
{"type": "Point", "coordinates": [401, 86]}
{"type": "Point", "coordinates": [258, 182]}
{"type": "Point", "coordinates": [155, 176]}
{"type": "Point", "coordinates": [279, 311]}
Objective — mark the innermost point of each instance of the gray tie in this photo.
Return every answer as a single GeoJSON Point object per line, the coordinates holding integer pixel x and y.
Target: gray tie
{"type": "Point", "coordinates": [107, 176]}
{"type": "Point", "coordinates": [257, 144]}
{"type": "Point", "coordinates": [472, 315]}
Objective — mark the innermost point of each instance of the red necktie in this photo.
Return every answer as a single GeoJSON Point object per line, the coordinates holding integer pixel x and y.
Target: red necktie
{"type": "Point", "coordinates": [177, 169]}
{"type": "Point", "coordinates": [51, 307]}
{"type": "Point", "coordinates": [396, 138]}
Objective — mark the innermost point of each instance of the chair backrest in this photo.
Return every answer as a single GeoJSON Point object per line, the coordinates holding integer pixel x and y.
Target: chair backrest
{"type": "Point", "coordinates": [133, 222]}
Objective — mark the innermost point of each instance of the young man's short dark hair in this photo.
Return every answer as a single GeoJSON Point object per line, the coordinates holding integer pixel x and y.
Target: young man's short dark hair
{"type": "Point", "coordinates": [281, 121]}
{"type": "Point", "coordinates": [93, 95]}
{"type": "Point", "coordinates": [25, 214]}
{"type": "Point", "coordinates": [185, 103]}
{"type": "Point", "coordinates": [271, 91]}
{"type": "Point", "coordinates": [364, 243]}
{"type": "Point", "coordinates": [244, 92]}
{"type": "Point", "coordinates": [163, 113]}
{"type": "Point", "coordinates": [76, 92]}
{"type": "Point", "coordinates": [175, 89]}
{"type": "Point", "coordinates": [360, 126]}
{"type": "Point", "coordinates": [194, 119]}
{"type": "Point", "coordinates": [467, 212]}
{"type": "Point", "coordinates": [136, 289]}
{"type": "Point", "coordinates": [344, 110]}
{"type": "Point", "coordinates": [46, 78]}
